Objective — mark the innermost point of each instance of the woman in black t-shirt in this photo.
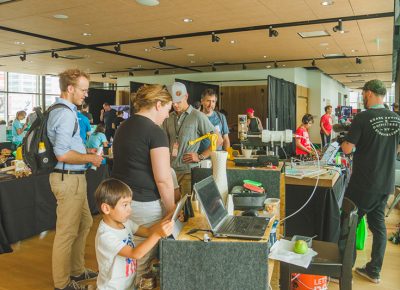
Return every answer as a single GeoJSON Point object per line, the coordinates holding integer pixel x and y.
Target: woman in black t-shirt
{"type": "Point", "coordinates": [142, 160]}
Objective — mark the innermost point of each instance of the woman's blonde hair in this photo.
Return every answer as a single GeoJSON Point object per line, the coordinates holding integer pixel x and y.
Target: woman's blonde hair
{"type": "Point", "coordinates": [148, 95]}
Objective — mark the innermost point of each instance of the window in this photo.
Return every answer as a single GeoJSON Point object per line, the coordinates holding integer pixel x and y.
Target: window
{"type": "Point", "coordinates": [21, 102]}
{"type": "Point", "coordinates": [2, 106]}
{"type": "Point", "coordinates": [22, 83]}
{"type": "Point", "coordinates": [2, 81]}
{"type": "Point", "coordinates": [52, 90]}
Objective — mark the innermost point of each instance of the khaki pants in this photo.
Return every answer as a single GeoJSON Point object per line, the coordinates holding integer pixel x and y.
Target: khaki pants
{"type": "Point", "coordinates": [185, 182]}
{"type": "Point", "coordinates": [73, 224]}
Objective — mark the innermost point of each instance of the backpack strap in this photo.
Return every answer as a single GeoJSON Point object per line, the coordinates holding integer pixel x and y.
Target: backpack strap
{"type": "Point", "coordinates": [221, 121]}
{"type": "Point", "coordinates": [60, 105]}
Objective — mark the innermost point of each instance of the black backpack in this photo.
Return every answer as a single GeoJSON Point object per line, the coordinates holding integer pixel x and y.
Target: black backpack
{"type": "Point", "coordinates": [41, 163]}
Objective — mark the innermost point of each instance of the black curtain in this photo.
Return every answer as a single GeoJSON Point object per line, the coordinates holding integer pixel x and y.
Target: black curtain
{"type": "Point", "coordinates": [282, 105]}
{"type": "Point", "coordinates": [96, 98]}
{"type": "Point", "coordinates": [195, 89]}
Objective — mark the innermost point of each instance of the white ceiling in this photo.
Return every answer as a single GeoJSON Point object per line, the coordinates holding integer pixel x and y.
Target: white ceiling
{"type": "Point", "coordinates": [32, 22]}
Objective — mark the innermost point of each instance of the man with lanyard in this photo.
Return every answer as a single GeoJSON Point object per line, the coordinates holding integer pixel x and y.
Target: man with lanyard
{"type": "Point", "coordinates": [374, 134]}
{"type": "Point", "coordinates": [68, 183]}
{"type": "Point", "coordinates": [326, 126]}
{"type": "Point", "coordinates": [108, 116]}
{"type": "Point", "coordinates": [208, 102]}
{"type": "Point", "coordinates": [183, 125]}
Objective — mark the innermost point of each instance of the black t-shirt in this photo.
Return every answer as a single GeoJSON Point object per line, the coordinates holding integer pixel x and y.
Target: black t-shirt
{"type": "Point", "coordinates": [375, 133]}
{"type": "Point", "coordinates": [132, 164]}
{"type": "Point", "coordinates": [109, 118]}
{"type": "Point", "coordinates": [118, 122]}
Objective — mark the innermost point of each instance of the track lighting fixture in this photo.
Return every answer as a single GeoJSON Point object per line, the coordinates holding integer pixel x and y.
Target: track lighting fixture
{"type": "Point", "coordinates": [117, 47]}
{"type": "Point", "coordinates": [244, 67]}
{"type": "Point", "coordinates": [313, 62]}
{"type": "Point", "coordinates": [23, 57]}
{"type": "Point", "coordinates": [54, 54]}
{"type": "Point", "coordinates": [130, 73]}
{"type": "Point", "coordinates": [103, 75]}
{"type": "Point", "coordinates": [272, 32]}
{"type": "Point", "coordinates": [156, 72]}
{"type": "Point", "coordinates": [358, 60]}
{"type": "Point", "coordinates": [214, 37]}
{"type": "Point", "coordinates": [213, 68]}
{"type": "Point", "coordinates": [275, 64]}
{"type": "Point", "coordinates": [163, 42]}
{"type": "Point", "coordinates": [339, 27]}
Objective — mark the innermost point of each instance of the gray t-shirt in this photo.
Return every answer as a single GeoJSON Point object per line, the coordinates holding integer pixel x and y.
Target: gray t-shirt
{"type": "Point", "coordinates": [190, 125]}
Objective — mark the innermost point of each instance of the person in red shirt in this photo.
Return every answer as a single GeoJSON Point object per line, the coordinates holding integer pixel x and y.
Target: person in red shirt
{"type": "Point", "coordinates": [303, 144]}
{"type": "Point", "coordinates": [326, 126]}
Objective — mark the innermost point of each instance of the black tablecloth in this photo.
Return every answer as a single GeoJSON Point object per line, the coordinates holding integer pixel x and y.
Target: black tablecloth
{"type": "Point", "coordinates": [321, 216]}
{"type": "Point", "coordinates": [28, 206]}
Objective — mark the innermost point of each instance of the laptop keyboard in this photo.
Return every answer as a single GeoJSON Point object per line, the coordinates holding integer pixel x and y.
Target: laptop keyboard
{"type": "Point", "coordinates": [243, 225]}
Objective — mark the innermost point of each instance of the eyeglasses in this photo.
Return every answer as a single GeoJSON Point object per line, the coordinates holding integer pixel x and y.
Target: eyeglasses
{"type": "Point", "coordinates": [85, 91]}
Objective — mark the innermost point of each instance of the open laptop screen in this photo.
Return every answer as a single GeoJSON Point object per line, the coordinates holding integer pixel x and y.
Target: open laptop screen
{"type": "Point", "coordinates": [209, 196]}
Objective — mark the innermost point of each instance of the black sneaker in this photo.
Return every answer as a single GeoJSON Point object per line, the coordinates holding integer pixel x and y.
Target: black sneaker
{"type": "Point", "coordinates": [73, 286]}
{"type": "Point", "coordinates": [363, 272]}
{"type": "Point", "coordinates": [87, 275]}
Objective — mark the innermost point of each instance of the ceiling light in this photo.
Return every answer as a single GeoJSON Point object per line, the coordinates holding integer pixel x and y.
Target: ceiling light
{"type": "Point", "coordinates": [264, 56]}
{"type": "Point", "coordinates": [23, 57]}
{"type": "Point", "coordinates": [60, 16]}
{"type": "Point", "coordinates": [313, 62]}
{"type": "Point", "coordinates": [99, 62]}
{"type": "Point", "coordinates": [163, 42]}
{"type": "Point", "coordinates": [214, 37]}
{"type": "Point", "coordinates": [148, 2]}
{"type": "Point", "coordinates": [244, 67]}
{"type": "Point", "coordinates": [358, 60]}
{"type": "Point", "coordinates": [130, 73]}
{"type": "Point", "coordinates": [187, 20]}
{"type": "Point", "coordinates": [354, 50]}
{"type": "Point", "coordinates": [339, 27]}
{"type": "Point", "coordinates": [192, 61]}
{"type": "Point", "coordinates": [324, 44]}
{"type": "Point", "coordinates": [284, 65]}
{"type": "Point", "coordinates": [333, 55]}
{"type": "Point", "coordinates": [103, 75]}
{"type": "Point", "coordinates": [117, 47]}
{"type": "Point", "coordinates": [310, 34]}
{"type": "Point", "coordinates": [19, 42]}
{"type": "Point", "coordinates": [147, 49]}
{"type": "Point", "coordinates": [232, 42]}
{"type": "Point", "coordinates": [86, 34]}
{"type": "Point", "coordinates": [156, 72]}
{"type": "Point", "coordinates": [268, 66]}
{"type": "Point", "coordinates": [272, 32]}
{"type": "Point", "coordinates": [54, 54]}
{"type": "Point", "coordinates": [190, 54]}
{"type": "Point", "coordinates": [327, 3]}
{"type": "Point", "coordinates": [275, 64]}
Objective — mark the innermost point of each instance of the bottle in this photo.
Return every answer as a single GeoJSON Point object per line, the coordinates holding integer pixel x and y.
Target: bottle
{"type": "Point", "coordinates": [42, 147]}
{"type": "Point", "coordinates": [18, 155]}
{"type": "Point", "coordinates": [99, 151]}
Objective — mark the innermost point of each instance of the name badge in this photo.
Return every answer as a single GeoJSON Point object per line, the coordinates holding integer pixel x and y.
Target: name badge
{"type": "Point", "coordinates": [175, 148]}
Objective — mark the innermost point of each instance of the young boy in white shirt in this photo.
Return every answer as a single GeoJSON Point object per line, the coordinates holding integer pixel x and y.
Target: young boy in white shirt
{"type": "Point", "coordinates": [115, 251]}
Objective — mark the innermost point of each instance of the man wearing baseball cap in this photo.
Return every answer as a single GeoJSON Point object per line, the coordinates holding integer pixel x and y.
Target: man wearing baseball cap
{"type": "Point", "coordinates": [375, 135]}
{"type": "Point", "coordinates": [185, 124]}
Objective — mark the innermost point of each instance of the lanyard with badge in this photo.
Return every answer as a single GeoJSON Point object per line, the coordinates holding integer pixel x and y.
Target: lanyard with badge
{"type": "Point", "coordinates": [175, 147]}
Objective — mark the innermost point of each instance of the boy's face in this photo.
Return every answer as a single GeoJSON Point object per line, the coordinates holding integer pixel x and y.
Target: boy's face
{"type": "Point", "coordinates": [122, 210]}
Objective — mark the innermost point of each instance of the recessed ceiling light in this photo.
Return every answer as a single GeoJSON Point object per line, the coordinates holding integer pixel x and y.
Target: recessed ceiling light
{"type": "Point", "coordinates": [60, 16]}
{"type": "Point", "coordinates": [268, 66]}
{"type": "Point", "coordinates": [232, 41]}
{"type": "Point", "coordinates": [310, 34]}
{"type": "Point", "coordinates": [324, 44]}
{"type": "Point", "coordinates": [19, 42]}
{"type": "Point", "coordinates": [354, 50]}
{"type": "Point", "coordinates": [86, 34]}
{"type": "Point", "coordinates": [147, 49]}
{"type": "Point", "coordinates": [148, 2]}
{"type": "Point", "coordinates": [264, 56]}
{"type": "Point", "coordinates": [187, 20]}
{"type": "Point", "coordinates": [87, 24]}
{"type": "Point", "coordinates": [284, 65]}
{"type": "Point", "coordinates": [327, 3]}
{"type": "Point", "coordinates": [190, 54]}
{"type": "Point", "coordinates": [192, 61]}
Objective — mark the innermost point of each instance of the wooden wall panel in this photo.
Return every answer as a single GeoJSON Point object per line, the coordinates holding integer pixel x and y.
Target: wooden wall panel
{"type": "Point", "coordinates": [301, 103]}
{"type": "Point", "coordinates": [236, 99]}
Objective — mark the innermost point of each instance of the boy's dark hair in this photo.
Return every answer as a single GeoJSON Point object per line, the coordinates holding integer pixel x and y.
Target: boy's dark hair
{"type": "Point", "coordinates": [307, 118]}
{"type": "Point", "coordinates": [208, 92]}
{"type": "Point", "coordinates": [110, 191]}
{"type": "Point", "coordinates": [327, 107]}
{"type": "Point", "coordinates": [100, 128]}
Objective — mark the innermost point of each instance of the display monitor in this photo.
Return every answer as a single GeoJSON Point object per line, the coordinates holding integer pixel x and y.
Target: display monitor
{"type": "Point", "coordinates": [124, 108]}
{"type": "Point", "coordinates": [345, 111]}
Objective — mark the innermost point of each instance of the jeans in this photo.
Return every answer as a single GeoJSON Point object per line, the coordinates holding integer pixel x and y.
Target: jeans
{"type": "Point", "coordinates": [325, 139]}
{"type": "Point", "coordinates": [376, 224]}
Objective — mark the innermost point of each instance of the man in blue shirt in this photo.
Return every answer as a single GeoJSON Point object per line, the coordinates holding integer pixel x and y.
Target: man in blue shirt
{"type": "Point", "coordinates": [208, 102]}
{"type": "Point", "coordinates": [84, 126]}
{"type": "Point", "coordinates": [68, 183]}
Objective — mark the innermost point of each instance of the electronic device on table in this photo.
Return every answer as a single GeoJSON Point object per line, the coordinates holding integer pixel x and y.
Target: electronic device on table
{"type": "Point", "coordinates": [330, 154]}
{"type": "Point", "coordinates": [222, 224]}
{"type": "Point", "coordinates": [179, 207]}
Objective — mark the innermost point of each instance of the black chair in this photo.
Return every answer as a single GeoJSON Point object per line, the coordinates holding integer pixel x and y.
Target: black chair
{"type": "Point", "coordinates": [334, 260]}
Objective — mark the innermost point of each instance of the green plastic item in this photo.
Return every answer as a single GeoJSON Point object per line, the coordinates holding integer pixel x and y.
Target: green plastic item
{"type": "Point", "coordinates": [361, 234]}
{"type": "Point", "coordinates": [252, 182]}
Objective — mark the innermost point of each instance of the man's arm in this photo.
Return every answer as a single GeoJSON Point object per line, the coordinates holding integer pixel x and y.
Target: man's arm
{"type": "Point", "coordinates": [300, 146]}
{"type": "Point", "coordinates": [102, 115]}
{"type": "Point", "coordinates": [227, 142]}
{"type": "Point", "coordinates": [321, 124]}
{"type": "Point", "coordinates": [73, 157]}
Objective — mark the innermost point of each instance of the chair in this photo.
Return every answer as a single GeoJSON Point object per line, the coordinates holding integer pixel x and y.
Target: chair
{"type": "Point", "coordinates": [333, 259]}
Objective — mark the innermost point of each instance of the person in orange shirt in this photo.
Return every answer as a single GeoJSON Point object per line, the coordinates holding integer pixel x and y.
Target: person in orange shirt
{"type": "Point", "coordinates": [326, 126]}
{"type": "Point", "coordinates": [303, 144]}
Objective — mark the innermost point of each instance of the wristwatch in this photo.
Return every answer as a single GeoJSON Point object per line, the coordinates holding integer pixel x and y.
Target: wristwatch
{"type": "Point", "coordinates": [202, 157]}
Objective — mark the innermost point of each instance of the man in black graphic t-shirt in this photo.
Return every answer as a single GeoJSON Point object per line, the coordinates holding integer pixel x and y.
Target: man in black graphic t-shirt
{"type": "Point", "coordinates": [375, 135]}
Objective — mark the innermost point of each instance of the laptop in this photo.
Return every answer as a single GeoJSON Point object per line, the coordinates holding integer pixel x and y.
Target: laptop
{"type": "Point", "coordinates": [222, 224]}
{"type": "Point", "coordinates": [330, 153]}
